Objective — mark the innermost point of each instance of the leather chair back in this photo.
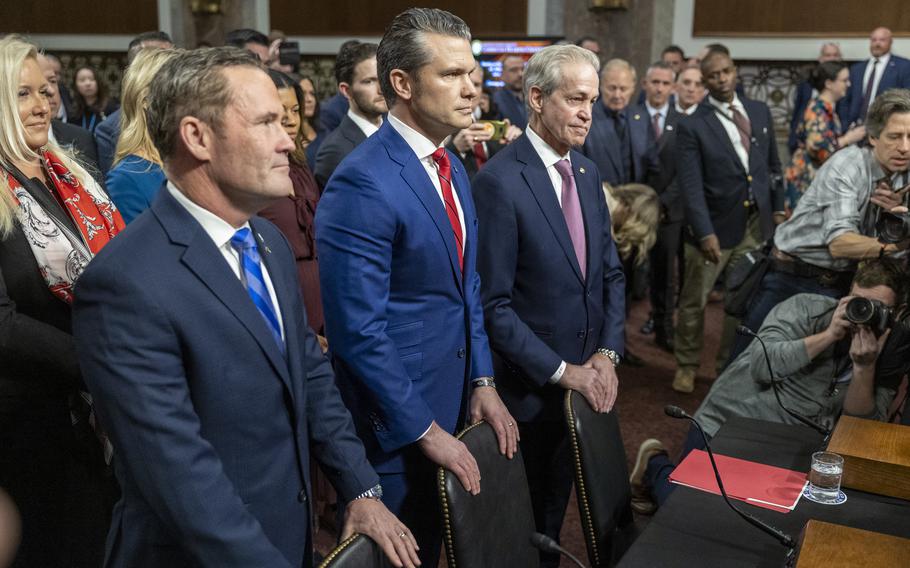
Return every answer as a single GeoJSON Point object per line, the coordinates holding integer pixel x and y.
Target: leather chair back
{"type": "Point", "coordinates": [601, 478]}
{"type": "Point", "coordinates": [358, 551]}
{"type": "Point", "coordinates": [494, 528]}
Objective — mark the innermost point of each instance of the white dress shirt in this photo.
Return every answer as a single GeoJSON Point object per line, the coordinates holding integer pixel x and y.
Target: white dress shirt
{"type": "Point", "coordinates": [220, 231]}
{"type": "Point", "coordinates": [365, 126]}
{"type": "Point", "coordinates": [688, 111]}
{"type": "Point", "coordinates": [424, 148]}
{"type": "Point", "coordinates": [725, 115]}
{"type": "Point", "coordinates": [662, 111]}
{"type": "Point", "coordinates": [879, 71]}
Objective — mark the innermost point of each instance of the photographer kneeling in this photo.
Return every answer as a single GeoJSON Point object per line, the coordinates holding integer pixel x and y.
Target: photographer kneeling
{"type": "Point", "coordinates": [827, 356]}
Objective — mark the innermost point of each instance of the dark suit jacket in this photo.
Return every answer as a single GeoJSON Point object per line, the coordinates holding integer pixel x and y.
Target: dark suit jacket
{"type": "Point", "coordinates": [663, 178]}
{"type": "Point", "coordinates": [712, 179]}
{"type": "Point", "coordinates": [332, 111]}
{"type": "Point", "coordinates": [469, 161]}
{"type": "Point", "coordinates": [895, 76]}
{"type": "Point", "coordinates": [606, 149]}
{"type": "Point", "coordinates": [803, 95]}
{"type": "Point", "coordinates": [212, 425]}
{"type": "Point", "coordinates": [405, 326]}
{"type": "Point", "coordinates": [338, 144]}
{"type": "Point", "coordinates": [81, 142]}
{"type": "Point", "coordinates": [537, 307]}
{"type": "Point", "coordinates": [510, 107]}
{"type": "Point", "coordinates": [106, 135]}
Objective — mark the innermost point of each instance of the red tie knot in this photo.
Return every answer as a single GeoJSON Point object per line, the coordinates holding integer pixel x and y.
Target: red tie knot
{"type": "Point", "coordinates": [440, 156]}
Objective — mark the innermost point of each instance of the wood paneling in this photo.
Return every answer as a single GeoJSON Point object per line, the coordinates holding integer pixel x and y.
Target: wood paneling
{"type": "Point", "coordinates": [781, 18]}
{"type": "Point", "coordinates": [496, 18]}
{"type": "Point", "coordinates": [128, 17]}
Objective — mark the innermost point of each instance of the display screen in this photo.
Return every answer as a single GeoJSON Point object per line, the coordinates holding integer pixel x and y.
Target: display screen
{"type": "Point", "coordinates": [491, 52]}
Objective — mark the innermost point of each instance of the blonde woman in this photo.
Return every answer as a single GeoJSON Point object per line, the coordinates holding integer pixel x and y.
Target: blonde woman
{"type": "Point", "coordinates": [137, 176]}
{"type": "Point", "coordinates": [635, 213]}
{"type": "Point", "coordinates": [53, 219]}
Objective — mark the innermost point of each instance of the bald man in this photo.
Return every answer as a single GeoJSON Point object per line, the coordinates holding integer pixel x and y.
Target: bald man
{"type": "Point", "coordinates": [880, 72]}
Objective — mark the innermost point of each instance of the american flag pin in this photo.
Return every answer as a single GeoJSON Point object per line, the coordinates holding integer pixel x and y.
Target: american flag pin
{"type": "Point", "coordinates": [268, 250]}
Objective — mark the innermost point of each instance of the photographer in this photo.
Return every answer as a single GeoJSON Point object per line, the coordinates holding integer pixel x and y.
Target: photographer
{"type": "Point", "coordinates": [838, 221]}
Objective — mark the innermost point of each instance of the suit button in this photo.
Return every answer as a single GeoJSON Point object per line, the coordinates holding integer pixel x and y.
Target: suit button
{"type": "Point", "coordinates": [581, 334]}
{"type": "Point", "coordinates": [301, 497]}
{"type": "Point", "coordinates": [461, 353]}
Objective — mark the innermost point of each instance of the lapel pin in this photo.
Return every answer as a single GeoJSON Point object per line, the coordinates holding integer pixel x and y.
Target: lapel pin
{"type": "Point", "coordinates": [637, 117]}
{"type": "Point", "coordinates": [764, 130]}
{"type": "Point", "coordinates": [268, 250]}
{"type": "Point", "coordinates": [669, 127]}
{"type": "Point", "coordinates": [581, 170]}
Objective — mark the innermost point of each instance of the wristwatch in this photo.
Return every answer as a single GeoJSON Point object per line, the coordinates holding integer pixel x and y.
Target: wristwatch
{"type": "Point", "coordinates": [374, 492]}
{"type": "Point", "coordinates": [611, 355]}
{"type": "Point", "coordinates": [483, 382]}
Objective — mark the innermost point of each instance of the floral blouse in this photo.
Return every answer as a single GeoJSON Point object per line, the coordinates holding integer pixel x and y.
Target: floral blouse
{"type": "Point", "coordinates": [817, 139]}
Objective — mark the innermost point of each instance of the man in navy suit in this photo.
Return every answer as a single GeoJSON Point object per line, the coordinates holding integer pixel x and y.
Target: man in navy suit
{"type": "Point", "coordinates": [193, 341]}
{"type": "Point", "coordinates": [397, 237]}
{"type": "Point", "coordinates": [881, 71]}
{"type": "Point", "coordinates": [621, 141]}
{"type": "Point", "coordinates": [552, 281]}
{"type": "Point", "coordinates": [509, 99]}
{"type": "Point", "coordinates": [726, 160]}
{"type": "Point", "coordinates": [830, 51]}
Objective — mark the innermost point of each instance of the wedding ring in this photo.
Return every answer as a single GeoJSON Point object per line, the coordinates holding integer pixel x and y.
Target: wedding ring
{"type": "Point", "coordinates": [401, 535]}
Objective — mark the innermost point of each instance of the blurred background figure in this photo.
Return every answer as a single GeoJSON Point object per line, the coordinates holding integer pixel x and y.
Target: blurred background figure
{"type": "Point", "coordinates": [830, 51]}
{"type": "Point", "coordinates": [634, 214]}
{"type": "Point", "coordinates": [92, 102]}
{"type": "Point", "coordinates": [311, 132]}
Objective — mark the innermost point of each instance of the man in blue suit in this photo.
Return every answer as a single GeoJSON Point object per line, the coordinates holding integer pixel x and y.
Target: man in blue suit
{"type": "Point", "coordinates": [193, 341]}
{"type": "Point", "coordinates": [397, 238]}
{"type": "Point", "coordinates": [552, 281]}
{"type": "Point", "coordinates": [726, 163]}
{"type": "Point", "coordinates": [509, 99]}
{"type": "Point", "coordinates": [621, 141]}
{"type": "Point", "coordinates": [870, 78]}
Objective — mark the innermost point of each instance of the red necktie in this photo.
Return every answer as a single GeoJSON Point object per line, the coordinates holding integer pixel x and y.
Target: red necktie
{"type": "Point", "coordinates": [655, 124]}
{"type": "Point", "coordinates": [480, 155]}
{"type": "Point", "coordinates": [744, 126]}
{"type": "Point", "coordinates": [444, 169]}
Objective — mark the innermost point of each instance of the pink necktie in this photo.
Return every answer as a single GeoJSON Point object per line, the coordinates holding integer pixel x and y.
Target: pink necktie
{"type": "Point", "coordinates": [571, 210]}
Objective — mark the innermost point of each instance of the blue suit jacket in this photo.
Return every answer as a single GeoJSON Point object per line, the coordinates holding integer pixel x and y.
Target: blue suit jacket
{"type": "Point", "coordinates": [510, 107]}
{"type": "Point", "coordinates": [332, 111]}
{"type": "Point", "coordinates": [713, 182]}
{"type": "Point", "coordinates": [106, 135]}
{"type": "Point", "coordinates": [895, 76]}
{"type": "Point", "coordinates": [605, 148]}
{"type": "Point", "coordinates": [405, 327]}
{"type": "Point", "coordinates": [212, 426]}
{"type": "Point", "coordinates": [538, 308]}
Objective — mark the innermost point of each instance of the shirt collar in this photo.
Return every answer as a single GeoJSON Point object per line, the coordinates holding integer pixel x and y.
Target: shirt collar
{"type": "Point", "coordinates": [661, 111]}
{"type": "Point", "coordinates": [883, 60]}
{"type": "Point", "coordinates": [546, 152]}
{"type": "Point", "coordinates": [367, 127]}
{"type": "Point", "coordinates": [420, 144]}
{"type": "Point", "coordinates": [687, 111]}
{"type": "Point", "coordinates": [726, 106]}
{"type": "Point", "coordinates": [219, 230]}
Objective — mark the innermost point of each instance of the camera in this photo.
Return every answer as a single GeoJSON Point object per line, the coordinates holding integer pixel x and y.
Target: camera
{"type": "Point", "coordinates": [893, 227]}
{"type": "Point", "coordinates": [872, 313]}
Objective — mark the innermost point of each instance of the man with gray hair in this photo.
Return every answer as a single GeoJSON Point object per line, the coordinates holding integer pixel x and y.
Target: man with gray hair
{"type": "Point", "coordinates": [397, 237]}
{"type": "Point", "coordinates": [203, 369]}
{"type": "Point", "coordinates": [551, 279]}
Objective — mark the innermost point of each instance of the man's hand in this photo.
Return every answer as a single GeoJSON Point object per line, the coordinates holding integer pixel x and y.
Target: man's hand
{"type": "Point", "coordinates": [604, 367]}
{"type": "Point", "coordinates": [839, 325]}
{"type": "Point", "coordinates": [443, 449]}
{"type": "Point", "coordinates": [486, 405]}
{"type": "Point", "coordinates": [465, 139]}
{"type": "Point", "coordinates": [865, 347]}
{"type": "Point", "coordinates": [512, 132]}
{"type": "Point", "coordinates": [887, 198]}
{"type": "Point", "coordinates": [588, 382]}
{"type": "Point", "coordinates": [710, 248]}
{"type": "Point", "coordinates": [371, 518]}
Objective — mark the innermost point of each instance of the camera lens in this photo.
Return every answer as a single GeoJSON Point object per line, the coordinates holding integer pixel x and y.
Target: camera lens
{"type": "Point", "coordinates": [860, 310]}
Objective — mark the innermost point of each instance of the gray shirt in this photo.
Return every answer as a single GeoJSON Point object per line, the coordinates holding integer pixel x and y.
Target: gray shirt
{"type": "Point", "coordinates": [837, 202]}
{"type": "Point", "coordinates": [815, 389]}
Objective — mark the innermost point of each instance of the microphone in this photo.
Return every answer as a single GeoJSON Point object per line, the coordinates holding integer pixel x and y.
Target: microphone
{"type": "Point", "coordinates": [743, 330]}
{"type": "Point", "coordinates": [784, 538]}
{"type": "Point", "coordinates": [547, 544]}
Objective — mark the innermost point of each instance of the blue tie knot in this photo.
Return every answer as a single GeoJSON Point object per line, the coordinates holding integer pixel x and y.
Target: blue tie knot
{"type": "Point", "coordinates": [244, 243]}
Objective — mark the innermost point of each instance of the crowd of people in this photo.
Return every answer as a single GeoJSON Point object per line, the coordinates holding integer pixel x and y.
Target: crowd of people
{"type": "Point", "coordinates": [218, 279]}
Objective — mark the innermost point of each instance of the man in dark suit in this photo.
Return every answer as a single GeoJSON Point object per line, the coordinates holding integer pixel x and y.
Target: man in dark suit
{"type": "Point", "coordinates": [397, 238]}
{"type": "Point", "coordinates": [552, 281]}
{"type": "Point", "coordinates": [474, 145]}
{"type": "Point", "coordinates": [509, 99]}
{"type": "Point", "coordinates": [830, 51]}
{"type": "Point", "coordinates": [881, 71]}
{"type": "Point", "coordinates": [355, 71]}
{"type": "Point", "coordinates": [204, 373]}
{"type": "Point", "coordinates": [726, 159]}
{"type": "Point", "coordinates": [621, 140]}
{"type": "Point", "coordinates": [333, 109]}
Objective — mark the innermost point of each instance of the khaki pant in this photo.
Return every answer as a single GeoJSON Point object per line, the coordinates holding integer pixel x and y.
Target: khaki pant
{"type": "Point", "coordinates": [698, 281]}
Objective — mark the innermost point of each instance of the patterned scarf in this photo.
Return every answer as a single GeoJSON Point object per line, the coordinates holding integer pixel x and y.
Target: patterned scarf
{"type": "Point", "coordinates": [61, 255]}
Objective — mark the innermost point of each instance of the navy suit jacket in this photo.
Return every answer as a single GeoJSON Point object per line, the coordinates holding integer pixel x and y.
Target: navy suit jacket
{"type": "Point", "coordinates": [713, 181]}
{"type": "Point", "coordinates": [510, 107]}
{"type": "Point", "coordinates": [106, 135]}
{"type": "Point", "coordinates": [212, 425]}
{"type": "Point", "coordinates": [605, 148]}
{"type": "Point", "coordinates": [332, 111]}
{"type": "Point", "coordinates": [895, 76]}
{"type": "Point", "coordinates": [663, 178]}
{"type": "Point", "coordinates": [338, 144]}
{"type": "Point", "coordinates": [538, 308]}
{"type": "Point", "coordinates": [406, 328]}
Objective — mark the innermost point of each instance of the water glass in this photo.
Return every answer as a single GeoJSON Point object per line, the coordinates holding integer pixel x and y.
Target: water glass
{"type": "Point", "coordinates": [825, 477]}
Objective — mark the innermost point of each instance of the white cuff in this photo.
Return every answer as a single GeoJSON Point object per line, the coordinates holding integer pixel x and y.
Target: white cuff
{"type": "Point", "coordinates": [555, 377]}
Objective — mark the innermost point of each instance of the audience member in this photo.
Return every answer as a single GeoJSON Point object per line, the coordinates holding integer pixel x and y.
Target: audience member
{"type": "Point", "coordinates": [136, 177]}
{"type": "Point", "coordinates": [397, 238]}
{"type": "Point", "coordinates": [834, 224]}
{"type": "Point", "coordinates": [830, 51]}
{"type": "Point", "coordinates": [107, 133]}
{"type": "Point", "coordinates": [212, 387]}
{"type": "Point", "coordinates": [52, 463]}
{"type": "Point", "coordinates": [311, 132]}
{"type": "Point", "coordinates": [825, 366]}
{"type": "Point", "coordinates": [674, 56]}
{"type": "Point", "coordinates": [726, 161]}
{"type": "Point", "coordinates": [358, 82]}
{"type": "Point", "coordinates": [91, 101]}
{"type": "Point", "coordinates": [253, 41]}
{"type": "Point", "coordinates": [537, 284]}
{"type": "Point", "coordinates": [510, 98]}
{"type": "Point", "coordinates": [333, 109]}
{"type": "Point", "coordinates": [819, 133]}
{"type": "Point", "coordinates": [635, 213]}
{"type": "Point", "coordinates": [591, 44]}
{"type": "Point", "coordinates": [882, 71]}
{"type": "Point", "coordinates": [66, 100]}
{"type": "Point", "coordinates": [689, 90]}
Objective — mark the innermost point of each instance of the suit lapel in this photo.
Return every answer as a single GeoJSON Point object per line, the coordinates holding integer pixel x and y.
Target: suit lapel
{"type": "Point", "coordinates": [587, 199]}
{"type": "Point", "coordinates": [721, 134]}
{"type": "Point", "coordinates": [352, 132]}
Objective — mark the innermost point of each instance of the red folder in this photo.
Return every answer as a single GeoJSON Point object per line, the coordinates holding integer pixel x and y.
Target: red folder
{"type": "Point", "coordinates": [758, 484]}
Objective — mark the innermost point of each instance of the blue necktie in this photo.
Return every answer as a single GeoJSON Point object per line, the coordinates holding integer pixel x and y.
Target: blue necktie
{"type": "Point", "coordinates": [251, 269]}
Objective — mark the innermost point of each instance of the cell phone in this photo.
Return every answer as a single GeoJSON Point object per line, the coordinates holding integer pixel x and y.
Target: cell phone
{"type": "Point", "coordinates": [289, 53]}
{"type": "Point", "coordinates": [498, 126]}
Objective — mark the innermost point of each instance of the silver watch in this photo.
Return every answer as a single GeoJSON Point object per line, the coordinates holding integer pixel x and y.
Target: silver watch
{"type": "Point", "coordinates": [484, 382]}
{"type": "Point", "coordinates": [611, 355]}
{"type": "Point", "coordinates": [374, 492]}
